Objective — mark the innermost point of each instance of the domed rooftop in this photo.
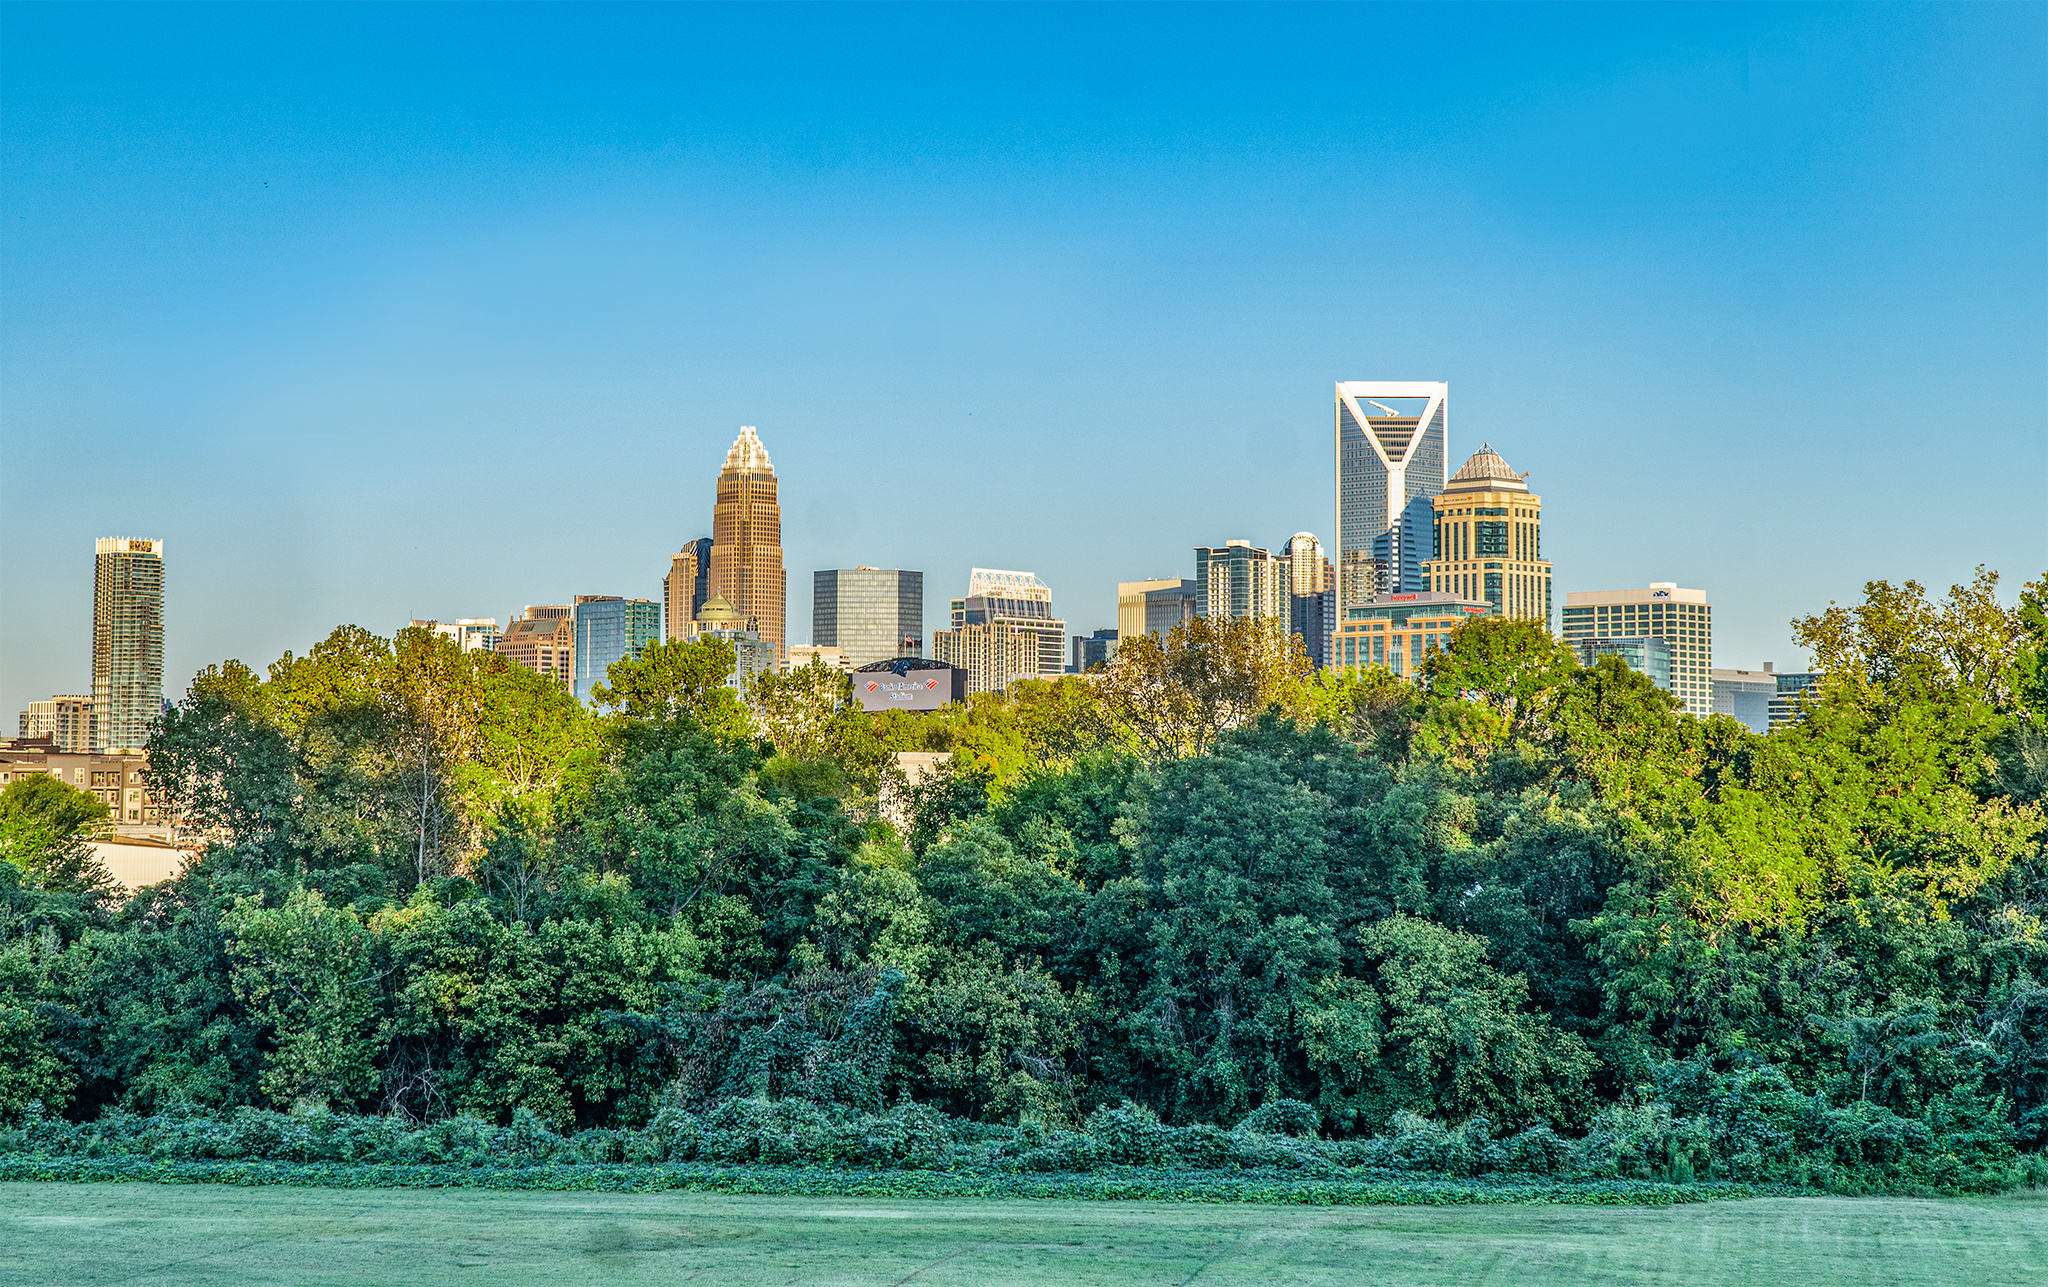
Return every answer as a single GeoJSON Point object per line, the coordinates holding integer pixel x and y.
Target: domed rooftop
{"type": "Point", "coordinates": [748, 454]}
{"type": "Point", "coordinates": [718, 611]}
{"type": "Point", "coordinates": [1486, 471]}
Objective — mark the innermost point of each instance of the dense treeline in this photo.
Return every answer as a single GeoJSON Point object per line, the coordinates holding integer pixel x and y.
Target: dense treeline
{"type": "Point", "coordinates": [1519, 903]}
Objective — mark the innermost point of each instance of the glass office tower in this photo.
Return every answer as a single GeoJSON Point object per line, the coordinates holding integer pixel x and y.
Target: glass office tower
{"type": "Point", "coordinates": [608, 628]}
{"type": "Point", "coordinates": [1391, 444]}
{"type": "Point", "coordinates": [871, 614]}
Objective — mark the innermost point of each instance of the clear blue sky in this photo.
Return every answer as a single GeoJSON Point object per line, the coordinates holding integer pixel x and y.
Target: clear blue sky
{"type": "Point", "coordinates": [377, 312]}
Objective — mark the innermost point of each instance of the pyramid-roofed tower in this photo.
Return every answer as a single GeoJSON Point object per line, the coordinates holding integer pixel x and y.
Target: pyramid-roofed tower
{"type": "Point", "coordinates": [1487, 470]}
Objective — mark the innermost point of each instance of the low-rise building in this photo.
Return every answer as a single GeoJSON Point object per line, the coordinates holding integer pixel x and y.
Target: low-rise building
{"type": "Point", "coordinates": [1399, 632]}
{"type": "Point", "coordinates": [115, 779]}
{"type": "Point", "coordinates": [1745, 695]}
{"type": "Point", "coordinates": [801, 655]}
{"type": "Point", "coordinates": [1093, 650]}
{"type": "Point", "coordinates": [1787, 705]}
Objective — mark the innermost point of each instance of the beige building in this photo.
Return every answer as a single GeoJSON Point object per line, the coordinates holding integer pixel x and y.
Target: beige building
{"type": "Point", "coordinates": [1154, 607]}
{"type": "Point", "coordinates": [543, 639]}
{"type": "Point", "coordinates": [1237, 579]}
{"type": "Point", "coordinates": [1661, 610]}
{"type": "Point", "coordinates": [746, 542]}
{"type": "Point", "coordinates": [994, 654]}
{"type": "Point", "coordinates": [801, 655]}
{"type": "Point", "coordinates": [1488, 540]}
{"type": "Point", "coordinates": [65, 720]}
{"type": "Point", "coordinates": [116, 780]}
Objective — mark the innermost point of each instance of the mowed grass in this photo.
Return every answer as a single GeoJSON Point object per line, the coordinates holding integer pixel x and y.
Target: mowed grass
{"type": "Point", "coordinates": [159, 1234]}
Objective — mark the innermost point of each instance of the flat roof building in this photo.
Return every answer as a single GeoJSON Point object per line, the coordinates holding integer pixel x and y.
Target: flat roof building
{"type": "Point", "coordinates": [609, 628]}
{"type": "Point", "coordinates": [1398, 632]}
{"type": "Point", "coordinates": [873, 614]}
{"type": "Point", "coordinates": [1745, 695]}
{"type": "Point", "coordinates": [1155, 607]}
{"type": "Point", "coordinates": [1663, 610]}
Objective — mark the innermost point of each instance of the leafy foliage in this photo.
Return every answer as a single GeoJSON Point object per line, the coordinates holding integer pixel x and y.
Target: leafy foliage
{"type": "Point", "coordinates": [1203, 914]}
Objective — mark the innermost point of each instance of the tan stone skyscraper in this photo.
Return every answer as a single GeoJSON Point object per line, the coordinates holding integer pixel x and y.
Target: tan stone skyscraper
{"type": "Point", "coordinates": [746, 541]}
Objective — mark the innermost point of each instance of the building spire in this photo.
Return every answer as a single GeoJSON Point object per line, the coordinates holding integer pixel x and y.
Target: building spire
{"type": "Point", "coordinates": [748, 454]}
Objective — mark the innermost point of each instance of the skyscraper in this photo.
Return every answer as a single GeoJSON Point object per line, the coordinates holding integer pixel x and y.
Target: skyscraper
{"type": "Point", "coordinates": [1003, 631]}
{"type": "Point", "coordinates": [1236, 579]}
{"type": "Point", "coordinates": [1487, 540]}
{"type": "Point", "coordinates": [608, 628]}
{"type": "Point", "coordinates": [685, 588]}
{"type": "Point", "coordinates": [127, 640]}
{"type": "Point", "coordinates": [1662, 610]}
{"type": "Point", "coordinates": [873, 614]}
{"type": "Point", "coordinates": [1312, 598]}
{"type": "Point", "coordinates": [1391, 443]}
{"type": "Point", "coordinates": [746, 542]}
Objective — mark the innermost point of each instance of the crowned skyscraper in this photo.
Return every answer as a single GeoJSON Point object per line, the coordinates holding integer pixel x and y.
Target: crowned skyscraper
{"type": "Point", "coordinates": [1390, 463]}
{"type": "Point", "coordinates": [746, 542]}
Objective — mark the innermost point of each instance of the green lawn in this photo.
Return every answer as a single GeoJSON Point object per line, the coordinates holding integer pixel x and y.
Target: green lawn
{"type": "Point", "coordinates": [151, 1234]}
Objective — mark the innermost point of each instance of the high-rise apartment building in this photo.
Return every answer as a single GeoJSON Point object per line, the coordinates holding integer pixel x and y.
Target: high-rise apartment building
{"type": "Point", "coordinates": [64, 719]}
{"type": "Point", "coordinates": [1312, 598]}
{"type": "Point", "coordinates": [1003, 631]}
{"type": "Point", "coordinates": [608, 628]}
{"type": "Point", "coordinates": [1237, 579]}
{"type": "Point", "coordinates": [1391, 445]}
{"type": "Point", "coordinates": [1487, 540]}
{"type": "Point", "coordinates": [746, 541]}
{"type": "Point", "coordinates": [685, 588]}
{"type": "Point", "coordinates": [543, 639]}
{"type": "Point", "coordinates": [1155, 607]}
{"type": "Point", "coordinates": [871, 613]}
{"type": "Point", "coordinates": [1745, 695]}
{"type": "Point", "coordinates": [1680, 617]}
{"type": "Point", "coordinates": [127, 641]}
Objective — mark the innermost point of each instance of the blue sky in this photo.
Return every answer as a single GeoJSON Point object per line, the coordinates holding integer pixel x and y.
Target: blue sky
{"type": "Point", "coordinates": [379, 312]}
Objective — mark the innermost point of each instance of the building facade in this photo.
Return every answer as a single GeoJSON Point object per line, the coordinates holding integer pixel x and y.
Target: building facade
{"type": "Point", "coordinates": [746, 541]}
{"type": "Point", "coordinates": [1794, 691]}
{"type": "Point", "coordinates": [1016, 601]}
{"type": "Point", "coordinates": [65, 719]}
{"type": "Point", "coordinates": [607, 629]}
{"type": "Point", "coordinates": [1644, 654]}
{"type": "Point", "coordinates": [1745, 695]}
{"type": "Point", "coordinates": [1154, 607]}
{"type": "Point", "coordinates": [872, 613]}
{"type": "Point", "coordinates": [471, 634]}
{"type": "Point", "coordinates": [685, 588]}
{"type": "Point", "coordinates": [801, 655]}
{"type": "Point", "coordinates": [1392, 439]}
{"type": "Point", "coordinates": [993, 655]}
{"type": "Point", "coordinates": [1681, 618]}
{"type": "Point", "coordinates": [1312, 597]}
{"type": "Point", "coordinates": [116, 780]}
{"type": "Point", "coordinates": [1090, 651]}
{"type": "Point", "coordinates": [1237, 579]}
{"type": "Point", "coordinates": [127, 641]}
{"type": "Point", "coordinates": [543, 639]}
{"type": "Point", "coordinates": [1486, 540]}
{"type": "Point", "coordinates": [1399, 632]}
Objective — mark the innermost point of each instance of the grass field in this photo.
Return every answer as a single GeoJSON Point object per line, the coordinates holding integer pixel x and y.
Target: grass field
{"type": "Point", "coordinates": [150, 1234]}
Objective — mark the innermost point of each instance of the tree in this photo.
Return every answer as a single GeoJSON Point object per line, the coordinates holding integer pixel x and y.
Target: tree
{"type": "Point", "coordinates": [795, 709]}
{"type": "Point", "coordinates": [45, 827]}
{"type": "Point", "coordinates": [1175, 694]}
{"type": "Point", "coordinates": [678, 680]}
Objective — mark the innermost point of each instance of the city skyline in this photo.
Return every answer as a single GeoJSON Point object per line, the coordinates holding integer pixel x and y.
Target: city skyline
{"type": "Point", "coordinates": [1663, 254]}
